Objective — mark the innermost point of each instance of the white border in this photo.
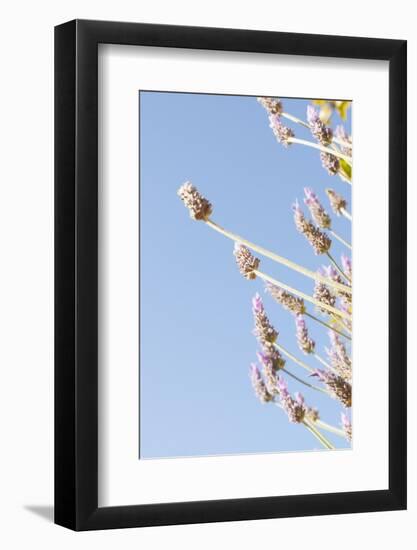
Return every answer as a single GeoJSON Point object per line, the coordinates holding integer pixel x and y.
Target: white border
{"type": "Point", "coordinates": [123, 479]}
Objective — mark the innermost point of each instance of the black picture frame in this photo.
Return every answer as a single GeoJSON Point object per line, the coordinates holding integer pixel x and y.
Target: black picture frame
{"type": "Point", "coordinates": [76, 273]}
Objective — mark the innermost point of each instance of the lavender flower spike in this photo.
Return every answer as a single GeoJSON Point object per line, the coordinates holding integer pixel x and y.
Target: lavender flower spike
{"type": "Point", "coordinates": [320, 131]}
{"type": "Point", "coordinates": [264, 331]}
{"type": "Point", "coordinates": [339, 388]}
{"type": "Point", "coordinates": [347, 426]}
{"type": "Point", "coordinates": [259, 385]}
{"type": "Point", "coordinates": [280, 131]}
{"type": "Point", "coordinates": [246, 261]}
{"type": "Point", "coordinates": [200, 208]}
{"type": "Point", "coordinates": [306, 344]}
{"type": "Point", "coordinates": [295, 408]}
{"type": "Point", "coordinates": [330, 163]}
{"type": "Point", "coordinates": [288, 301]}
{"type": "Point", "coordinates": [347, 265]}
{"type": "Point", "coordinates": [271, 357]}
{"type": "Point", "coordinates": [337, 202]}
{"type": "Point", "coordinates": [318, 213]}
{"type": "Point", "coordinates": [318, 240]}
{"type": "Point", "coordinates": [323, 294]}
{"type": "Point", "coordinates": [342, 135]}
{"type": "Point", "coordinates": [269, 372]}
{"type": "Point", "coordinates": [331, 273]}
{"type": "Point", "coordinates": [339, 357]}
{"type": "Point", "coordinates": [273, 106]}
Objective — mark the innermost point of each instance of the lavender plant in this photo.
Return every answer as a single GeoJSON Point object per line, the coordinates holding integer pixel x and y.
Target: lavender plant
{"type": "Point", "coordinates": [329, 304]}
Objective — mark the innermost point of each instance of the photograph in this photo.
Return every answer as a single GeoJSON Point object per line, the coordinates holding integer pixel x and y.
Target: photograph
{"type": "Point", "coordinates": [245, 231]}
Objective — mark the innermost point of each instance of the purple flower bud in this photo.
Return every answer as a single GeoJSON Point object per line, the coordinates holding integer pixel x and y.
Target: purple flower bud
{"type": "Point", "coordinates": [264, 331]}
{"type": "Point", "coordinates": [342, 135]}
{"type": "Point", "coordinates": [281, 132]}
{"type": "Point", "coordinates": [273, 106]}
{"type": "Point", "coordinates": [306, 344]}
{"type": "Point", "coordinates": [337, 202]}
{"type": "Point", "coordinates": [246, 261]}
{"type": "Point", "coordinates": [347, 265]}
{"type": "Point", "coordinates": [299, 398]}
{"type": "Point", "coordinates": [295, 408]}
{"type": "Point", "coordinates": [320, 131]}
{"type": "Point", "coordinates": [347, 426]}
{"type": "Point", "coordinates": [338, 387]}
{"type": "Point", "coordinates": [257, 304]}
{"type": "Point", "coordinates": [318, 239]}
{"type": "Point", "coordinates": [259, 385]}
{"type": "Point", "coordinates": [318, 213]}
{"type": "Point", "coordinates": [330, 163]}
{"type": "Point", "coordinates": [312, 114]}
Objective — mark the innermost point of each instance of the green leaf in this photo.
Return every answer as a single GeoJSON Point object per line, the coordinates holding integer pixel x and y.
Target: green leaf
{"type": "Point", "coordinates": [346, 167]}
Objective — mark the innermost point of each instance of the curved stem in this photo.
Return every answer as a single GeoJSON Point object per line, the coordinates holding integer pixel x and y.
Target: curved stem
{"type": "Point", "coordinates": [301, 381]}
{"type": "Point", "coordinates": [346, 214]}
{"type": "Point", "coordinates": [338, 268]}
{"type": "Point", "coordinates": [323, 362]}
{"type": "Point", "coordinates": [330, 428]}
{"type": "Point", "coordinates": [319, 436]}
{"type": "Point", "coordinates": [295, 119]}
{"type": "Point", "coordinates": [341, 323]}
{"type": "Point", "coordinates": [302, 123]}
{"type": "Point", "coordinates": [322, 148]}
{"type": "Point", "coordinates": [293, 357]}
{"type": "Point", "coordinates": [277, 258]}
{"type": "Point", "coordinates": [327, 325]}
{"type": "Point", "coordinates": [306, 297]}
{"type": "Point", "coordinates": [336, 236]}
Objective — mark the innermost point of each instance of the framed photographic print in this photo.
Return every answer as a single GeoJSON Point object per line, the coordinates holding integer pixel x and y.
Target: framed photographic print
{"type": "Point", "coordinates": [230, 275]}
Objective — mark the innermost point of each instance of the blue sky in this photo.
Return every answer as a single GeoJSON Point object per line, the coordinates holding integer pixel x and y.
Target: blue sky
{"type": "Point", "coordinates": [196, 341]}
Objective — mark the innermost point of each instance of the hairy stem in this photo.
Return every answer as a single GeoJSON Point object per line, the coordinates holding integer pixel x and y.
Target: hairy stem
{"type": "Point", "coordinates": [277, 258]}
{"type": "Point", "coordinates": [323, 362]}
{"type": "Point", "coordinates": [306, 297]}
{"type": "Point", "coordinates": [341, 323]}
{"type": "Point", "coordinates": [329, 428]}
{"type": "Point", "coordinates": [301, 381]}
{"type": "Point", "coordinates": [322, 148]}
{"type": "Point", "coordinates": [339, 238]}
{"type": "Point", "coordinates": [338, 268]}
{"type": "Point", "coordinates": [302, 123]}
{"type": "Point", "coordinates": [327, 325]}
{"type": "Point", "coordinates": [346, 214]}
{"type": "Point", "coordinates": [319, 436]}
{"type": "Point", "coordinates": [293, 358]}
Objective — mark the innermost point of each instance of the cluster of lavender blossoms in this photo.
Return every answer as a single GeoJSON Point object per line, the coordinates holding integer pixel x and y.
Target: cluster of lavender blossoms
{"type": "Point", "coordinates": [320, 131]}
{"type": "Point", "coordinates": [329, 304]}
{"type": "Point", "coordinates": [319, 240]}
{"type": "Point", "coordinates": [335, 146]}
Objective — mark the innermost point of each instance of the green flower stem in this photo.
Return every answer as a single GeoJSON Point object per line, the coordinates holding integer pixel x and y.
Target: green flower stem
{"type": "Point", "coordinates": [293, 357]}
{"type": "Point", "coordinates": [341, 323]}
{"type": "Point", "coordinates": [338, 268]}
{"type": "Point", "coordinates": [323, 148]}
{"type": "Point", "coordinates": [277, 258]}
{"type": "Point", "coordinates": [295, 119]}
{"type": "Point", "coordinates": [327, 325]}
{"type": "Point", "coordinates": [306, 297]}
{"type": "Point", "coordinates": [323, 362]}
{"type": "Point", "coordinates": [346, 214]}
{"type": "Point", "coordinates": [301, 381]}
{"type": "Point", "coordinates": [336, 236]}
{"type": "Point", "coordinates": [302, 123]}
{"type": "Point", "coordinates": [330, 428]}
{"type": "Point", "coordinates": [319, 436]}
